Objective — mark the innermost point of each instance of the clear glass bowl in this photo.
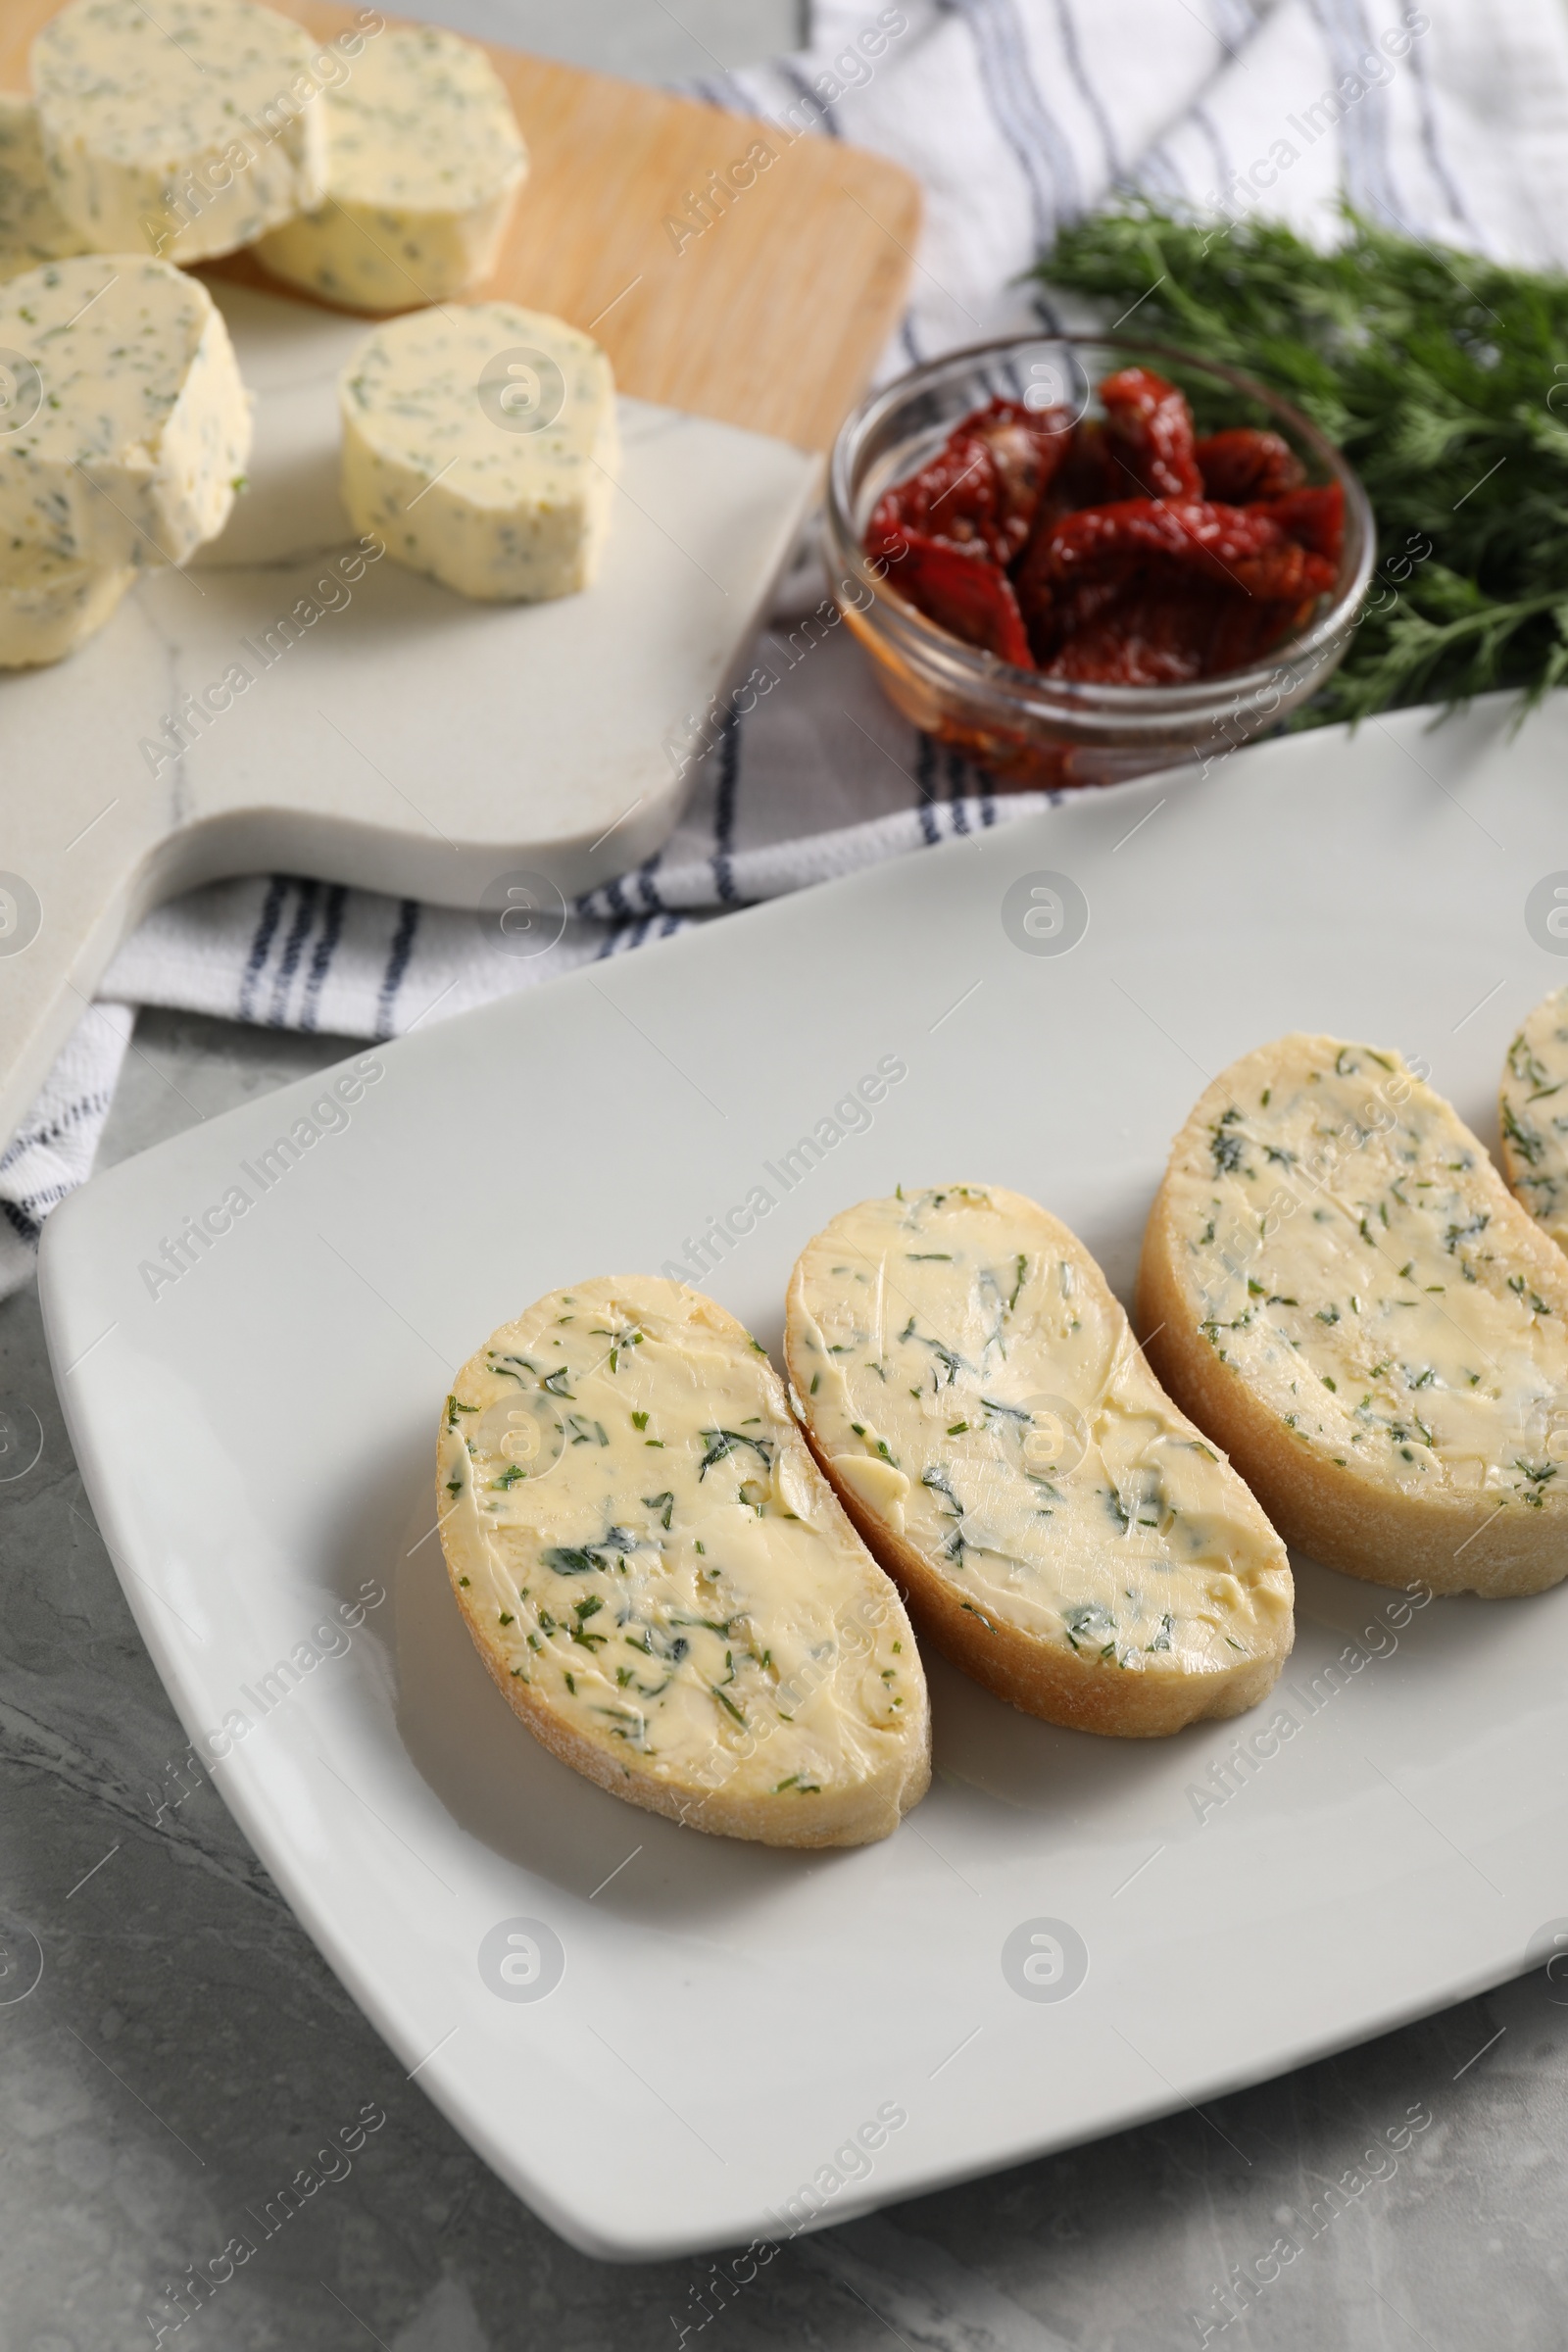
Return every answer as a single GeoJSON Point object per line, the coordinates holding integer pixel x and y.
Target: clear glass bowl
{"type": "Point", "coordinates": [1031, 731]}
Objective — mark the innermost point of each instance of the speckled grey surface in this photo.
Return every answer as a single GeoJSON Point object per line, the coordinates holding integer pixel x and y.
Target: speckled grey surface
{"type": "Point", "coordinates": [185, 2051]}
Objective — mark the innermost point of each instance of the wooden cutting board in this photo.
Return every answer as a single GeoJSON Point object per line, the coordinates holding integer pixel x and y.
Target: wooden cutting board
{"type": "Point", "coordinates": [411, 742]}
{"type": "Point", "coordinates": [772, 317]}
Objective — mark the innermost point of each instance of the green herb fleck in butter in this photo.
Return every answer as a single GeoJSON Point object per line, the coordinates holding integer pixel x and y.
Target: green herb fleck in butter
{"type": "Point", "coordinates": [1534, 1115]}
{"type": "Point", "coordinates": [441, 475]}
{"type": "Point", "coordinates": [141, 425]}
{"type": "Point", "coordinates": [1343, 1257]}
{"type": "Point", "coordinates": [183, 129]}
{"type": "Point", "coordinates": [978, 1388]}
{"type": "Point", "coordinates": [32, 228]}
{"type": "Point", "coordinates": [425, 160]}
{"type": "Point", "coordinates": [715, 1618]}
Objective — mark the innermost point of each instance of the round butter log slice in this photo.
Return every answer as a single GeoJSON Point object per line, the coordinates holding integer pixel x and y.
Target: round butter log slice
{"type": "Point", "coordinates": [975, 1392]}
{"type": "Point", "coordinates": [49, 606]}
{"type": "Point", "coordinates": [1341, 1291]}
{"type": "Point", "coordinates": [479, 445]}
{"type": "Point", "coordinates": [32, 228]}
{"type": "Point", "coordinates": [134, 427]}
{"type": "Point", "coordinates": [425, 160]}
{"type": "Point", "coordinates": [182, 130]}
{"type": "Point", "coordinates": [660, 1582]}
{"type": "Point", "coordinates": [1533, 1112]}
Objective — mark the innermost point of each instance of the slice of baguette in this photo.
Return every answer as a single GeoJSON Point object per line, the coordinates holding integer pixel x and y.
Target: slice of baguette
{"type": "Point", "coordinates": [1341, 1291]}
{"type": "Point", "coordinates": [975, 1392]}
{"type": "Point", "coordinates": [1533, 1116]}
{"type": "Point", "coordinates": [660, 1582]}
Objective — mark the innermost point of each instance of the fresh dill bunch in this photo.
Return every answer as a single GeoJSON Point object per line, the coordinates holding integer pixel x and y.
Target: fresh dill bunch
{"type": "Point", "coordinates": [1443, 377]}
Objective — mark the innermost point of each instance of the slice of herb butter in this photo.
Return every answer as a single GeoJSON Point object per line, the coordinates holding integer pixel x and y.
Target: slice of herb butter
{"type": "Point", "coordinates": [1059, 1528]}
{"type": "Point", "coordinates": [133, 424]}
{"type": "Point", "coordinates": [50, 605]}
{"type": "Point", "coordinates": [425, 160]}
{"type": "Point", "coordinates": [481, 444]}
{"type": "Point", "coordinates": [1350, 1300]}
{"type": "Point", "coordinates": [660, 1582]}
{"type": "Point", "coordinates": [1533, 1114]}
{"type": "Point", "coordinates": [184, 129]}
{"type": "Point", "coordinates": [32, 228]}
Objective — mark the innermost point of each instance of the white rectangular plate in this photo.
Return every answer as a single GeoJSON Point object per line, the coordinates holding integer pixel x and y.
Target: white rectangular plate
{"type": "Point", "coordinates": [258, 1441]}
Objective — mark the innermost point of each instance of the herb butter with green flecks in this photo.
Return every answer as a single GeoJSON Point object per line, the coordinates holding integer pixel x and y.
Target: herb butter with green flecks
{"type": "Point", "coordinates": [424, 160]}
{"type": "Point", "coordinates": [499, 485]}
{"type": "Point", "coordinates": [32, 228]}
{"type": "Point", "coordinates": [183, 129]}
{"type": "Point", "coordinates": [49, 605]}
{"type": "Point", "coordinates": [1533, 1114]}
{"type": "Point", "coordinates": [140, 427]}
{"type": "Point", "coordinates": [1351, 1301]}
{"type": "Point", "coordinates": [659, 1580]}
{"type": "Point", "coordinates": [973, 1389]}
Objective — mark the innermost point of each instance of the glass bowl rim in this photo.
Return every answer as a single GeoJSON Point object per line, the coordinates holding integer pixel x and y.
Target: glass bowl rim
{"type": "Point", "coordinates": [984, 673]}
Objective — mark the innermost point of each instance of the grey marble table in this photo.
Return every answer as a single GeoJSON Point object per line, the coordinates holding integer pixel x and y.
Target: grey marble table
{"type": "Point", "coordinates": [186, 2048]}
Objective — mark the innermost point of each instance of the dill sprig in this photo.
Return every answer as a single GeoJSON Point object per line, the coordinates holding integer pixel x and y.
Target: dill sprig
{"type": "Point", "coordinates": [1441, 377]}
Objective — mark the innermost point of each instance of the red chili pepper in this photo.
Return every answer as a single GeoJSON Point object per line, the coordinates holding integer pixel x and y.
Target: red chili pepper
{"type": "Point", "coordinates": [964, 595]}
{"type": "Point", "coordinates": [1150, 427]}
{"type": "Point", "coordinates": [1243, 464]}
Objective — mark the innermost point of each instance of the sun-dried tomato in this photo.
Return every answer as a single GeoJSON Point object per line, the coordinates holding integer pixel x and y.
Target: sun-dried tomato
{"type": "Point", "coordinates": [1053, 613]}
{"type": "Point", "coordinates": [1246, 626]}
{"type": "Point", "coordinates": [953, 498]}
{"type": "Point", "coordinates": [983, 485]}
{"type": "Point", "coordinates": [1166, 632]}
{"type": "Point", "coordinates": [1142, 636]}
{"type": "Point", "coordinates": [1027, 448]}
{"type": "Point", "coordinates": [1314, 518]}
{"type": "Point", "coordinates": [1150, 426]}
{"type": "Point", "coordinates": [1089, 476]}
{"type": "Point", "coordinates": [1122, 550]}
{"type": "Point", "coordinates": [965, 594]}
{"type": "Point", "coordinates": [1243, 464]}
{"type": "Point", "coordinates": [1244, 546]}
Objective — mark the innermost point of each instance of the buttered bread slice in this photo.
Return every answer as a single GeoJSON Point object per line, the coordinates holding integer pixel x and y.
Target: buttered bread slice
{"type": "Point", "coordinates": [1344, 1294]}
{"type": "Point", "coordinates": [974, 1391]}
{"type": "Point", "coordinates": [1533, 1114]}
{"type": "Point", "coordinates": [662, 1583]}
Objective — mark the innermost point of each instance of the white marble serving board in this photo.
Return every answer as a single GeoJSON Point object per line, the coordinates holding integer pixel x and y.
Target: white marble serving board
{"type": "Point", "coordinates": [406, 739]}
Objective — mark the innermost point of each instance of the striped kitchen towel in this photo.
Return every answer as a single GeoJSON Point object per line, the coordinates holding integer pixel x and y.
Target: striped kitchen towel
{"type": "Point", "coordinates": [1447, 119]}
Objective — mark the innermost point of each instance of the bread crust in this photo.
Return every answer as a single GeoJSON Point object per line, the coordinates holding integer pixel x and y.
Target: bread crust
{"type": "Point", "coordinates": [1039, 1676]}
{"type": "Point", "coordinates": [1447, 1541]}
{"type": "Point", "coordinates": [854, 1814]}
{"type": "Point", "coordinates": [1531, 1147]}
